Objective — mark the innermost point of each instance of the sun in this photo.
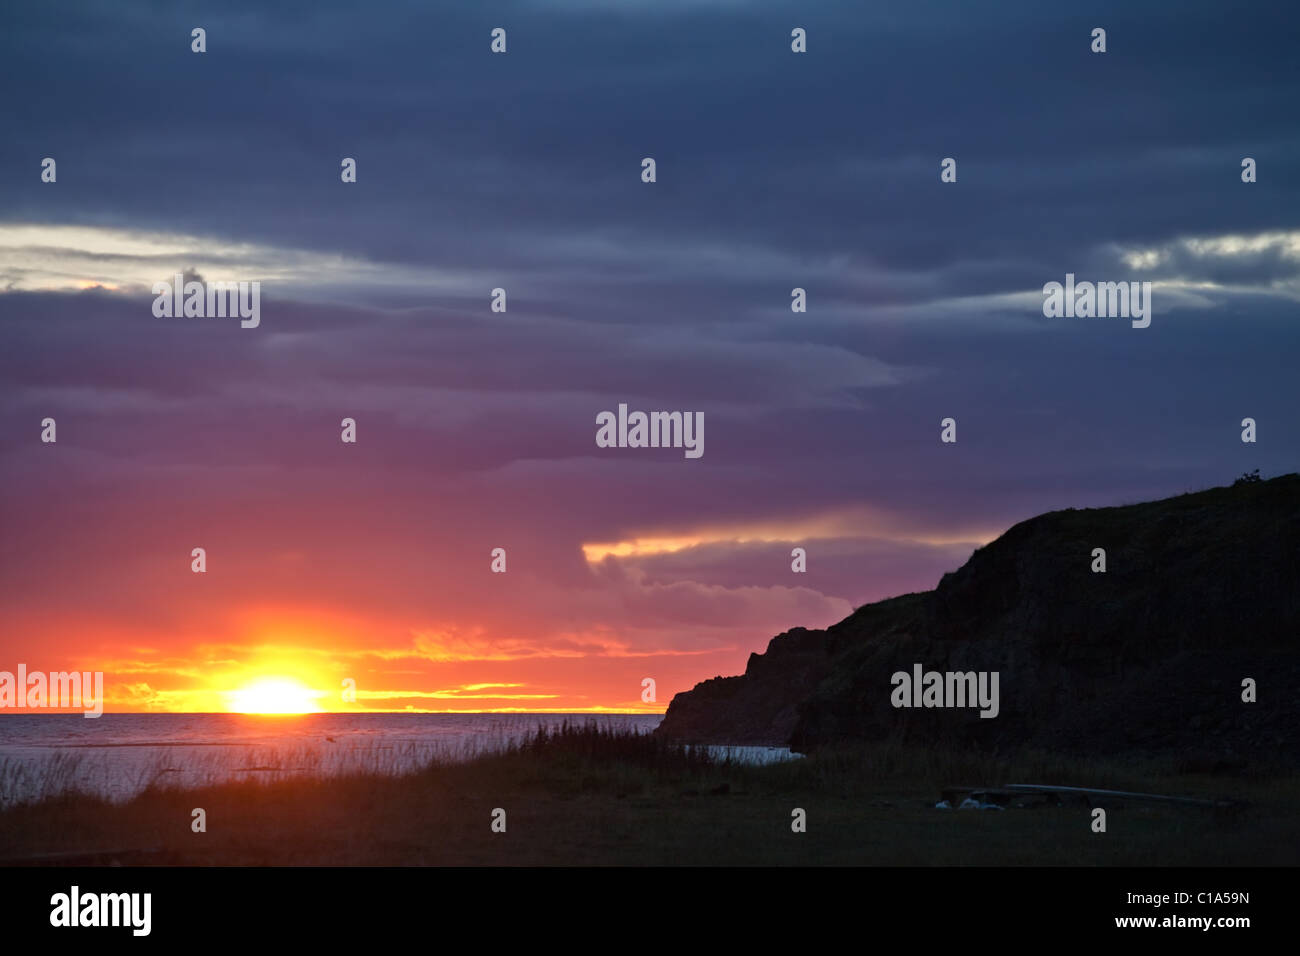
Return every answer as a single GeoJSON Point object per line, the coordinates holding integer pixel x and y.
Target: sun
{"type": "Point", "coordinates": [273, 695]}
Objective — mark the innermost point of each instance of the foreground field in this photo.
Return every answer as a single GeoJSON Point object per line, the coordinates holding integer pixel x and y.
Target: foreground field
{"type": "Point", "coordinates": [584, 797]}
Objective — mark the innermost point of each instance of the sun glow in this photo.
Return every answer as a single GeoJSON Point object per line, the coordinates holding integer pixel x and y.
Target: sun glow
{"type": "Point", "coordinates": [273, 695]}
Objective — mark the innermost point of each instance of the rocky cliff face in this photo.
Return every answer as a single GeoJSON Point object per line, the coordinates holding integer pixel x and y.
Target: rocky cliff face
{"type": "Point", "coordinates": [1200, 592]}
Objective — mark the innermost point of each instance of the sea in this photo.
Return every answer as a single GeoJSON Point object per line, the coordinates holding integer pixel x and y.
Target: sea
{"type": "Point", "coordinates": [117, 756]}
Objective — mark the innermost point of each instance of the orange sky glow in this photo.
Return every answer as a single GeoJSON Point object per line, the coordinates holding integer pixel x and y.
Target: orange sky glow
{"type": "Point", "coordinates": [293, 615]}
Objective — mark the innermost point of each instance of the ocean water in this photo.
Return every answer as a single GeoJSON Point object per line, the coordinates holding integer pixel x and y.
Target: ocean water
{"type": "Point", "coordinates": [119, 755]}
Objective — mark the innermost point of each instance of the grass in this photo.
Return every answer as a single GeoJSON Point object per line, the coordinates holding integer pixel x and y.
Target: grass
{"type": "Point", "coordinates": [589, 795]}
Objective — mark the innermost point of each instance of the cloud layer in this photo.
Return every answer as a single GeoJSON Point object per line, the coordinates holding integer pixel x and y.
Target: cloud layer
{"type": "Point", "coordinates": [476, 429]}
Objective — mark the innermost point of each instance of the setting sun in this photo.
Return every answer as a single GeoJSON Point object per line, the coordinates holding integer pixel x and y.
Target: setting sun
{"type": "Point", "coordinates": [273, 695]}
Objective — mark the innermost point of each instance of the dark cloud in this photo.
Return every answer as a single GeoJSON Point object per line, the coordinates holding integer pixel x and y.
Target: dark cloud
{"type": "Point", "coordinates": [477, 429]}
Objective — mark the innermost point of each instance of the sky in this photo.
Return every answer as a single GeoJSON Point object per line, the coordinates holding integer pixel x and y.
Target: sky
{"type": "Point", "coordinates": [371, 561]}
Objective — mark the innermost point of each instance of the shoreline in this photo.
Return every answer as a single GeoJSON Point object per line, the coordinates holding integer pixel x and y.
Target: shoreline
{"type": "Point", "coordinates": [590, 798]}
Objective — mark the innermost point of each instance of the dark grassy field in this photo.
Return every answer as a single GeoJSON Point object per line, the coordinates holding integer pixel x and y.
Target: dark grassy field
{"type": "Point", "coordinates": [588, 797]}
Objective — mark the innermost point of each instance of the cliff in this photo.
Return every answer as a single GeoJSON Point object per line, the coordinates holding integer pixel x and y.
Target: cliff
{"type": "Point", "coordinates": [1200, 591]}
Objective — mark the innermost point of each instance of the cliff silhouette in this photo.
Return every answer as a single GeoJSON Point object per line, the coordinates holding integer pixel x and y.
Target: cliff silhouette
{"type": "Point", "coordinates": [1200, 592]}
